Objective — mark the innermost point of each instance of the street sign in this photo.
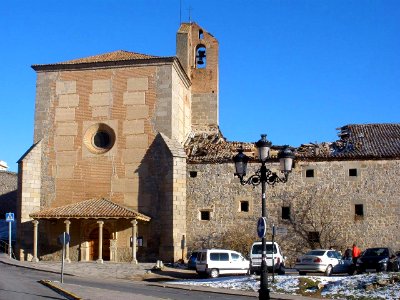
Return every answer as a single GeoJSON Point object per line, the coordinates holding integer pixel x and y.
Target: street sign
{"type": "Point", "coordinates": [10, 217]}
{"type": "Point", "coordinates": [63, 240]}
{"type": "Point", "coordinates": [261, 227]}
{"type": "Point", "coordinates": [281, 231]}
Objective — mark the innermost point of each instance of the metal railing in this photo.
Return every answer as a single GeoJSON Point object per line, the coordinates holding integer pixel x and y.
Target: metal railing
{"type": "Point", "coordinates": [5, 248]}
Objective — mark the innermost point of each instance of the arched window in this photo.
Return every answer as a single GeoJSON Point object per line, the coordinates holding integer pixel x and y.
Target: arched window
{"type": "Point", "coordinates": [201, 35]}
{"type": "Point", "coordinates": [201, 60]}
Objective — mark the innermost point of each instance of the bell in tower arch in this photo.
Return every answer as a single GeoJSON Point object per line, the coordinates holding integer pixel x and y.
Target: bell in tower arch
{"type": "Point", "coordinates": [201, 57]}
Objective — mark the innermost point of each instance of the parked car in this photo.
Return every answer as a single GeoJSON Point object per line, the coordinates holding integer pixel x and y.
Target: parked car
{"type": "Point", "coordinates": [275, 252]}
{"type": "Point", "coordinates": [377, 260]}
{"type": "Point", "coordinates": [192, 260]}
{"type": "Point", "coordinates": [323, 261]}
{"type": "Point", "coordinates": [213, 262]}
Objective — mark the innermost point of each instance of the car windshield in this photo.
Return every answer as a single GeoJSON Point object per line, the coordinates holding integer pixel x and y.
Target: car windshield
{"type": "Point", "coordinates": [376, 252]}
{"type": "Point", "coordinates": [316, 252]}
{"type": "Point", "coordinates": [257, 249]}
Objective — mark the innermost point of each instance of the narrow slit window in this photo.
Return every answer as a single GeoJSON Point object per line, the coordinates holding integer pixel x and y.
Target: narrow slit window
{"type": "Point", "coordinates": [201, 34]}
{"type": "Point", "coordinates": [244, 206]}
{"type": "Point", "coordinates": [310, 173]}
{"type": "Point", "coordinates": [193, 174]}
{"type": "Point", "coordinates": [359, 210]}
{"type": "Point", "coordinates": [285, 212]}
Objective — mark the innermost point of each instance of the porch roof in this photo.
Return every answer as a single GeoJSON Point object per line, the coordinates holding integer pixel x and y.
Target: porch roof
{"type": "Point", "coordinates": [90, 209]}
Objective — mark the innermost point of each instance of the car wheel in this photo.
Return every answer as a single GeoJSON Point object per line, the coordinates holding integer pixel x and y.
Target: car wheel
{"type": "Point", "coordinates": [302, 273]}
{"type": "Point", "coordinates": [214, 273]}
{"type": "Point", "coordinates": [328, 271]}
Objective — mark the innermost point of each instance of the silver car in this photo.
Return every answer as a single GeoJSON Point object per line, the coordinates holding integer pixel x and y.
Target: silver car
{"type": "Point", "coordinates": [323, 261]}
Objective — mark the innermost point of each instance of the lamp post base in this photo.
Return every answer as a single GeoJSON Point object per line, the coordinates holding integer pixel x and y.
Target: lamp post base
{"type": "Point", "coordinates": [263, 294]}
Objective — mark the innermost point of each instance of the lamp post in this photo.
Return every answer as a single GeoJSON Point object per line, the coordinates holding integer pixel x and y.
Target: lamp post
{"type": "Point", "coordinates": [263, 176]}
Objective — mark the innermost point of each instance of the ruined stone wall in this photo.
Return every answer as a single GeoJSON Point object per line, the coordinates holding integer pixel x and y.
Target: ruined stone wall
{"type": "Point", "coordinates": [375, 187]}
{"type": "Point", "coordinates": [8, 192]}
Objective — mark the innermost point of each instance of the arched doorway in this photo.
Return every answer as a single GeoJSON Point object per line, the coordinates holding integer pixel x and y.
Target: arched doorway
{"type": "Point", "coordinates": [94, 244]}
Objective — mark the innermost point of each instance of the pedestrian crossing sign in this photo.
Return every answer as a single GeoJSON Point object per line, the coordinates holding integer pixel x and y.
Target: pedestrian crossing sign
{"type": "Point", "coordinates": [9, 217]}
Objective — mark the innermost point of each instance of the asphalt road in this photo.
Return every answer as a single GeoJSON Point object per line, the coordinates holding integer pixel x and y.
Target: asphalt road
{"type": "Point", "coordinates": [17, 283]}
{"type": "Point", "coordinates": [21, 283]}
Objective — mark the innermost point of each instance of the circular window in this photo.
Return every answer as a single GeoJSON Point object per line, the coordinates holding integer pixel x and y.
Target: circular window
{"type": "Point", "coordinates": [99, 138]}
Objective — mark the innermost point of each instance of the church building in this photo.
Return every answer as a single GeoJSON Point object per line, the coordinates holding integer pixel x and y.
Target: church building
{"type": "Point", "coordinates": [128, 160]}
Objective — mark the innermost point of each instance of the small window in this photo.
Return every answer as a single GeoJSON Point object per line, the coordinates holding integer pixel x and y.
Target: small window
{"type": "Point", "coordinates": [205, 215]}
{"type": "Point", "coordinates": [244, 206]}
{"type": "Point", "coordinates": [201, 34]}
{"type": "Point", "coordinates": [313, 236]}
{"type": "Point", "coordinates": [353, 172]}
{"type": "Point", "coordinates": [310, 173]}
{"type": "Point", "coordinates": [359, 210]}
{"type": "Point", "coordinates": [285, 212]}
{"type": "Point", "coordinates": [193, 174]}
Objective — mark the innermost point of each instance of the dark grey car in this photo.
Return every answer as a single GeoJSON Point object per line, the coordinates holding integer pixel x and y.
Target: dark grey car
{"type": "Point", "coordinates": [378, 259]}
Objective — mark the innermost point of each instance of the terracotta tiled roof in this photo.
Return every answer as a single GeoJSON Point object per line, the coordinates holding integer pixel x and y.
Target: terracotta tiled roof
{"type": "Point", "coordinates": [111, 56]}
{"type": "Point", "coordinates": [90, 209]}
{"type": "Point", "coordinates": [358, 141]}
{"type": "Point", "coordinates": [116, 57]}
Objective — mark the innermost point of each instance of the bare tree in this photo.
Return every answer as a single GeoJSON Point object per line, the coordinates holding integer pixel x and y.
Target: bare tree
{"type": "Point", "coordinates": [313, 220]}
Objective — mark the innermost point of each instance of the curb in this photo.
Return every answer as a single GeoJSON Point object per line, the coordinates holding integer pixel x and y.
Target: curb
{"type": "Point", "coordinates": [59, 290]}
{"type": "Point", "coordinates": [205, 289]}
{"type": "Point", "coordinates": [34, 268]}
{"type": "Point", "coordinates": [225, 291]}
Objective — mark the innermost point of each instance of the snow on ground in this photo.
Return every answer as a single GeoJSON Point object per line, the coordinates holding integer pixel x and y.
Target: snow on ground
{"type": "Point", "coordinates": [370, 286]}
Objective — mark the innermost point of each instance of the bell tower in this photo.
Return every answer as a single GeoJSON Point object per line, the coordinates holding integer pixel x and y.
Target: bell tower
{"type": "Point", "coordinates": [197, 51]}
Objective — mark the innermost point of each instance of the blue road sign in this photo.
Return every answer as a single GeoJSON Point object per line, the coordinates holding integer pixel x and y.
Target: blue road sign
{"type": "Point", "coordinates": [262, 227]}
{"type": "Point", "coordinates": [64, 238]}
{"type": "Point", "coordinates": [9, 217]}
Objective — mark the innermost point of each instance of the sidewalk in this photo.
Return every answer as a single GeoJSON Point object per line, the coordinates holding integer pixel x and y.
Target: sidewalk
{"type": "Point", "coordinates": [141, 272]}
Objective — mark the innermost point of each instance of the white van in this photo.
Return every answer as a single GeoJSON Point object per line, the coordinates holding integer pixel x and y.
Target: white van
{"type": "Point", "coordinates": [256, 254]}
{"type": "Point", "coordinates": [212, 262]}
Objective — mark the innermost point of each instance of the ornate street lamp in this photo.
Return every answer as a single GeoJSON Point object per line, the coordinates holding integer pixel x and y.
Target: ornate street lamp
{"type": "Point", "coordinates": [263, 176]}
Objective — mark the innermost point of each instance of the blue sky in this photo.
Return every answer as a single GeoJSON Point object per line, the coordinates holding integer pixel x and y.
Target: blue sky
{"type": "Point", "coordinates": [293, 69]}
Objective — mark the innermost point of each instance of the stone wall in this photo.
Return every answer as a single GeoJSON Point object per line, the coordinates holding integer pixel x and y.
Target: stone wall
{"type": "Point", "coordinates": [130, 105]}
{"type": "Point", "coordinates": [330, 196]}
{"type": "Point", "coordinates": [8, 192]}
{"type": "Point", "coordinates": [205, 78]}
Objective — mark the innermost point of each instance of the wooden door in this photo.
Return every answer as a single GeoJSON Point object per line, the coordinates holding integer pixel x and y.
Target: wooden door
{"type": "Point", "coordinates": [94, 244]}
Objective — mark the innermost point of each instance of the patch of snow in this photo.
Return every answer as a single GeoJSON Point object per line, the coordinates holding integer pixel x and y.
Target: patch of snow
{"type": "Point", "coordinates": [332, 287]}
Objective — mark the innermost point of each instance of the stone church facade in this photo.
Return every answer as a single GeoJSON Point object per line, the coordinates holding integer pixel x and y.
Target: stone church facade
{"type": "Point", "coordinates": [128, 145]}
